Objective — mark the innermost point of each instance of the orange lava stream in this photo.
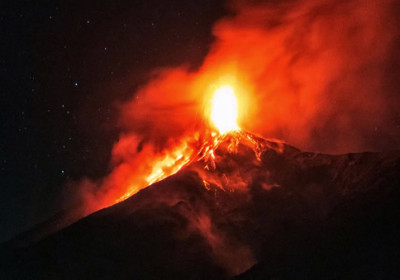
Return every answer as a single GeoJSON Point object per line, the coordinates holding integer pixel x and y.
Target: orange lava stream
{"type": "Point", "coordinates": [187, 153]}
{"type": "Point", "coordinates": [163, 167]}
{"type": "Point", "coordinates": [223, 117]}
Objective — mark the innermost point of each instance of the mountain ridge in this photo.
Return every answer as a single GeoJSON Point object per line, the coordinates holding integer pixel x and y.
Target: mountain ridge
{"type": "Point", "coordinates": [281, 214]}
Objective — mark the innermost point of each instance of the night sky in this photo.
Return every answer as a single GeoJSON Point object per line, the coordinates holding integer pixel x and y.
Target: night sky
{"type": "Point", "coordinates": [65, 67]}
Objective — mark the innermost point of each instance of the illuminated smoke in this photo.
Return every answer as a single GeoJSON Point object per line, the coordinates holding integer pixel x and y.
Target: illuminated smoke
{"type": "Point", "coordinates": [317, 74]}
{"type": "Point", "coordinates": [316, 71]}
{"type": "Point", "coordinates": [321, 75]}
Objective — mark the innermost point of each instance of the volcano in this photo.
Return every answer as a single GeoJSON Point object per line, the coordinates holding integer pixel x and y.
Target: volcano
{"type": "Point", "coordinates": [259, 209]}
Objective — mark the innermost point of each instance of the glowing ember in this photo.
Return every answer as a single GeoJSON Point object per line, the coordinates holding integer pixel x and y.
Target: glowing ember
{"type": "Point", "coordinates": [224, 109]}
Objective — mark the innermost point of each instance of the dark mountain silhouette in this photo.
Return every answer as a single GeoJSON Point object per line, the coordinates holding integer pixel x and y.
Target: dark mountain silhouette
{"type": "Point", "coordinates": [267, 211]}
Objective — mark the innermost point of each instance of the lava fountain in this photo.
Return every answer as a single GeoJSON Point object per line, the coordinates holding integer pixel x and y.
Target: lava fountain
{"type": "Point", "coordinates": [143, 165]}
{"type": "Point", "coordinates": [224, 113]}
{"type": "Point", "coordinates": [224, 110]}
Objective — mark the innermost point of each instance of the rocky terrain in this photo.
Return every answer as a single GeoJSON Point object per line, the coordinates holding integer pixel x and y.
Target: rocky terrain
{"type": "Point", "coordinates": [277, 213]}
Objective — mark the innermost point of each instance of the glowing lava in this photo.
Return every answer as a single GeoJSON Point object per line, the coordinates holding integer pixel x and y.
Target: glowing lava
{"type": "Point", "coordinates": [155, 167]}
{"type": "Point", "coordinates": [224, 114]}
{"type": "Point", "coordinates": [224, 110]}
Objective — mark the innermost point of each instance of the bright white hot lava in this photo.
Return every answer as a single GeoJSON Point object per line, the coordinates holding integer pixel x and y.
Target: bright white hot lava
{"type": "Point", "coordinates": [224, 110]}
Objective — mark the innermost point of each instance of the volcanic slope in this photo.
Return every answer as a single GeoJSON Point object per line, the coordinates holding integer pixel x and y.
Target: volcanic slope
{"type": "Point", "coordinates": [267, 211]}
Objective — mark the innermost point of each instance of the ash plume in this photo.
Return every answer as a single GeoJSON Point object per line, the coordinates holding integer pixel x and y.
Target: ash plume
{"type": "Point", "coordinates": [320, 75]}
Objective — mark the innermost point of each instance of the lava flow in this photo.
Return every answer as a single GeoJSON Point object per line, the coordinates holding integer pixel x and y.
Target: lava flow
{"type": "Point", "coordinates": [223, 116]}
{"type": "Point", "coordinates": [200, 146]}
{"type": "Point", "coordinates": [139, 163]}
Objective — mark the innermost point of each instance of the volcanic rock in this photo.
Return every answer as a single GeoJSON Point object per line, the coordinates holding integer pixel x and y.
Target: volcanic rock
{"type": "Point", "coordinates": [273, 212]}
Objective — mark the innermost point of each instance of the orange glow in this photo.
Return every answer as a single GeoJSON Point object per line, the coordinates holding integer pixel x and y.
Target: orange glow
{"type": "Point", "coordinates": [159, 167]}
{"type": "Point", "coordinates": [275, 68]}
{"type": "Point", "coordinates": [278, 71]}
{"type": "Point", "coordinates": [224, 111]}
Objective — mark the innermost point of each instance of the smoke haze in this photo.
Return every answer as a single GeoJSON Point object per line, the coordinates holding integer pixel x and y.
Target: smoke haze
{"type": "Point", "coordinates": [319, 75]}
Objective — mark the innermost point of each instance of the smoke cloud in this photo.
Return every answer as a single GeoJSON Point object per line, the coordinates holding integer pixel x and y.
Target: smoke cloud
{"type": "Point", "coordinates": [319, 71]}
{"type": "Point", "coordinates": [321, 75]}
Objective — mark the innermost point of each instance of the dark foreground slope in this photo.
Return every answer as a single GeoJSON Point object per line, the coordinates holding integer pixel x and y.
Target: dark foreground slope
{"type": "Point", "coordinates": [289, 215]}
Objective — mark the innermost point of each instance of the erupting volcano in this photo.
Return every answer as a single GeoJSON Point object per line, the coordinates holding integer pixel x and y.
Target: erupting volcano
{"type": "Point", "coordinates": [228, 203]}
{"type": "Point", "coordinates": [198, 186]}
{"type": "Point", "coordinates": [219, 126]}
{"type": "Point", "coordinates": [224, 112]}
